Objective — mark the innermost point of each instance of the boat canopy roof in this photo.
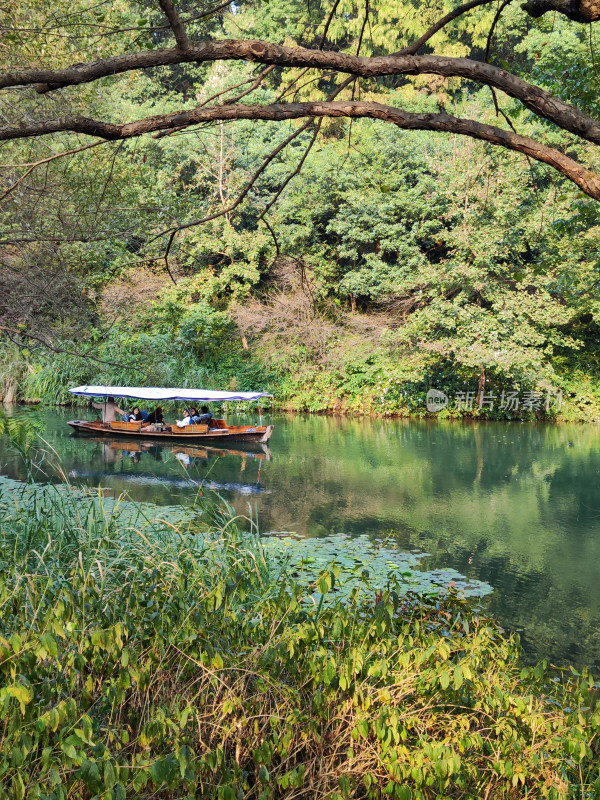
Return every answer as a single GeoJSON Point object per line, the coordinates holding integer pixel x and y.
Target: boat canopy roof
{"type": "Point", "coordinates": [159, 393]}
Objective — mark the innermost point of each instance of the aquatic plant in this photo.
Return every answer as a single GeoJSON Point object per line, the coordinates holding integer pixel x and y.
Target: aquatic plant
{"type": "Point", "coordinates": [359, 563]}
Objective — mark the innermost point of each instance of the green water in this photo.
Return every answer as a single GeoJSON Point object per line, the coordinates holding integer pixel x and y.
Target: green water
{"type": "Point", "coordinates": [515, 505]}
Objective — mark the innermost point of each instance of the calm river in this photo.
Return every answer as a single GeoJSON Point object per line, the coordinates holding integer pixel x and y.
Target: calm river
{"type": "Point", "coordinates": [514, 504]}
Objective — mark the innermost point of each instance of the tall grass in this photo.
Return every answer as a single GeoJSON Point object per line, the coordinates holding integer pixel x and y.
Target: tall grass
{"type": "Point", "coordinates": [147, 359]}
{"type": "Point", "coordinates": [144, 656]}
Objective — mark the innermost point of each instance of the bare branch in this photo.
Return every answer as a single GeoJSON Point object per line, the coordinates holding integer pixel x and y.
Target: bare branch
{"type": "Point", "coordinates": [107, 30]}
{"type": "Point", "coordinates": [223, 212]}
{"type": "Point", "coordinates": [39, 163]}
{"type": "Point", "coordinates": [260, 78]}
{"type": "Point", "coordinates": [176, 24]}
{"type": "Point", "coordinates": [492, 29]}
{"type": "Point", "coordinates": [88, 356]}
{"type": "Point", "coordinates": [457, 12]}
{"type": "Point", "coordinates": [290, 85]}
{"type": "Point", "coordinates": [363, 28]}
{"type": "Point", "coordinates": [246, 188]}
{"type": "Point", "coordinates": [166, 255]}
{"type": "Point", "coordinates": [298, 169]}
{"type": "Point", "coordinates": [208, 13]}
{"type": "Point", "coordinates": [253, 180]}
{"type": "Point", "coordinates": [293, 174]}
{"type": "Point", "coordinates": [273, 236]}
{"type": "Point", "coordinates": [328, 23]}
{"type": "Point", "coordinates": [256, 83]}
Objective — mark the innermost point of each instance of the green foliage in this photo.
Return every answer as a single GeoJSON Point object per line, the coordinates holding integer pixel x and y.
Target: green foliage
{"type": "Point", "coordinates": [21, 428]}
{"type": "Point", "coordinates": [142, 658]}
{"type": "Point", "coordinates": [426, 258]}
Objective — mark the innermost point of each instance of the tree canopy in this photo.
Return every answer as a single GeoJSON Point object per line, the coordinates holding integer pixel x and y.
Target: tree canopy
{"type": "Point", "coordinates": [344, 49]}
{"type": "Point", "coordinates": [284, 167]}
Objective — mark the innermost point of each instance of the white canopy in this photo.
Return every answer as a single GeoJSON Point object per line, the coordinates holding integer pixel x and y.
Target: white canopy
{"type": "Point", "coordinates": [157, 393]}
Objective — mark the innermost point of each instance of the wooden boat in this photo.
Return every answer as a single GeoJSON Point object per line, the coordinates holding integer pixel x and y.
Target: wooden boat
{"type": "Point", "coordinates": [191, 433]}
{"type": "Point", "coordinates": [216, 430]}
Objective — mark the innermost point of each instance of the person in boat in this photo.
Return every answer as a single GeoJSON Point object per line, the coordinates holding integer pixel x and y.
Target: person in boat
{"type": "Point", "coordinates": [185, 420]}
{"type": "Point", "coordinates": [134, 416]}
{"type": "Point", "coordinates": [205, 416]}
{"type": "Point", "coordinates": [109, 410]}
{"type": "Point", "coordinates": [156, 417]}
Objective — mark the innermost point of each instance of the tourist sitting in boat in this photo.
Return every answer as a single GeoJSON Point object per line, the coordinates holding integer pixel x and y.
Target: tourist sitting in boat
{"type": "Point", "coordinates": [205, 416]}
{"type": "Point", "coordinates": [186, 419]}
{"type": "Point", "coordinates": [156, 417]}
{"type": "Point", "coordinates": [109, 410]}
{"type": "Point", "coordinates": [135, 416]}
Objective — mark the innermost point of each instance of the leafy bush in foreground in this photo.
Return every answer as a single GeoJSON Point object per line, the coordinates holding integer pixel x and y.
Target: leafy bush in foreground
{"type": "Point", "coordinates": [139, 665]}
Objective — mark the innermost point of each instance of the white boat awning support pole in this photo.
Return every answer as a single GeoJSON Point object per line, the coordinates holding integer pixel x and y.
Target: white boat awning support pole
{"type": "Point", "coordinates": [259, 415]}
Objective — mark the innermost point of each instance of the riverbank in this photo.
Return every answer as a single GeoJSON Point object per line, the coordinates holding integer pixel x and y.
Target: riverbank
{"type": "Point", "coordinates": [577, 412]}
{"type": "Point", "coordinates": [191, 661]}
{"type": "Point", "coordinates": [526, 406]}
{"type": "Point", "coordinates": [340, 375]}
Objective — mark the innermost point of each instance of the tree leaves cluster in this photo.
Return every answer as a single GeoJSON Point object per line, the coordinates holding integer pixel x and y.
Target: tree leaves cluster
{"type": "Point", "coordinates": [468, 259]}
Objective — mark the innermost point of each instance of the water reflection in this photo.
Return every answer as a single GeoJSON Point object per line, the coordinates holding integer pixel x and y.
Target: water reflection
{"type": "Point", "coordinates": [188, 458]}
{"type": "Point", "coordinates": [516, 505]}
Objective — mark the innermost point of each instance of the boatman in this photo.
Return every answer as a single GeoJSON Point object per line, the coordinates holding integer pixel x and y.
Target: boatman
{"type": "Point", "coordinates": [109, 410]}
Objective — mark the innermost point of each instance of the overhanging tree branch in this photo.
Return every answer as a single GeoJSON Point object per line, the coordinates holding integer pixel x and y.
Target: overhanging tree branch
{"type": "Point", "coordinates": [583, 11]}
{"type": "Point", "coordinates": [587, 180]}
{"type": "Point", "coordinates": [10, 332]}
{"type": "Point", "coordinates": [176, 24]}
{"type": "Point", "coordinates": [533, 97]}
{"type": "Point", "coordinates": [293, 174]}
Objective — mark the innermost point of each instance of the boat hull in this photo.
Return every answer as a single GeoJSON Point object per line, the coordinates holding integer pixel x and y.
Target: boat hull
{"type": "Point", "coordinates": [237, 433]}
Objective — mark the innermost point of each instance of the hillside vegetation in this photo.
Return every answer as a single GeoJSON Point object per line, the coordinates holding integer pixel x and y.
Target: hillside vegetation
{"type": "Point", "coordinates": [391, 262]}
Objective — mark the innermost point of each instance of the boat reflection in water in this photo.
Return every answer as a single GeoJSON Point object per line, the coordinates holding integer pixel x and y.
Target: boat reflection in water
{"type": "Point", "coordinates": [187, 457]}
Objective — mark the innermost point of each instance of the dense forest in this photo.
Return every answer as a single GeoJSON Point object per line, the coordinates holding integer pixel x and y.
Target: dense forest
{"type": "Point", "coordinates": [343, 263]}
